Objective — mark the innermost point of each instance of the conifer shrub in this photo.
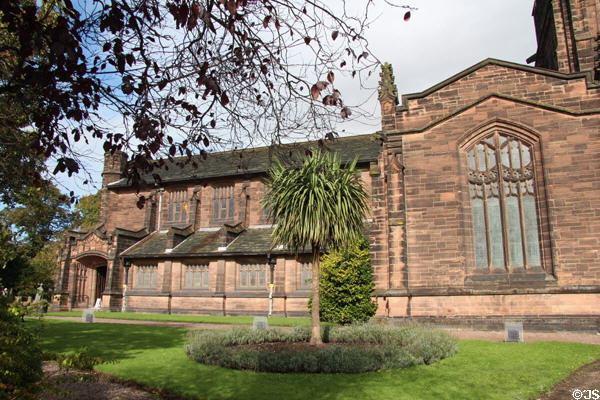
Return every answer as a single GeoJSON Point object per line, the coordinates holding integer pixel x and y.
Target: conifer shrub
{"type": "Point", "coordinates": [346, 285]}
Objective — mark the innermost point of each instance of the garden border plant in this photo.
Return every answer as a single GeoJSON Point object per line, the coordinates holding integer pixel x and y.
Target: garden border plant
{"type": "Point", "coordinates": [350, 349]}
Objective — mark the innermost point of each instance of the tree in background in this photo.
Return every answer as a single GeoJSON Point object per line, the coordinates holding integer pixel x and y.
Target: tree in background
{"type": "Point", "coordinates": [186, 75]}
{"type": "Point", "coordinates": [320, 204]}
{"type": "Point", "coordinates": [86, 213]}
{"type": "Point", "coordinates": [36, 216]}
{"type": "Point", "coordinates": [346, 284]}
{"type": "Point", "coordinates": [32, 225]}
{"type": "Point", "coordinates": [33, 233]}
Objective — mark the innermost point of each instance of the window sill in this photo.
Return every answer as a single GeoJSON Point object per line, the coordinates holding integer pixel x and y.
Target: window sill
{"type": "Point", "coordinates": [145, 292]}
{"type": "Point", "coordinates": [218, 222]}
{"type": "Point", "coordinates": [196, 293]}
{"type": "Point", "coordinates": [516, 277]}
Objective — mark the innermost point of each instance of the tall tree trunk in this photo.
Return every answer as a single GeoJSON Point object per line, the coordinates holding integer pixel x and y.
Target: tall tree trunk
{"type": "Point", "coordinates": [316, 321]}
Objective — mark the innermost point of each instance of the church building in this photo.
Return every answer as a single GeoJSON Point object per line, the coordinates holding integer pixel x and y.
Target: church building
{"type": "Point", "coordinates": [484, 205]}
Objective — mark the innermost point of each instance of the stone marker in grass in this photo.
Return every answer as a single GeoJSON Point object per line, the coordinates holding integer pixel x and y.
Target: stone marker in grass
{"type": "Point", "coordinates": [87, 315]}
{"type": "Point", "coordinates": [513, 332]}
{"type": "Point", "coordinates": [260, 323]}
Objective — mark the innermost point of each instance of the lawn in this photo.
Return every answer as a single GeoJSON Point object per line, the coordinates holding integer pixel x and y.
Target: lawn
{"type": "Point", "coordinates": [154, 356]}
{"type": "Point", "coordinates": [209, 319]}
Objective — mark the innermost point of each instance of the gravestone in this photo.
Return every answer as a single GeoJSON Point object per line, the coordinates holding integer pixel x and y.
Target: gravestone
{"type": "Point", "coordinates": [38, 294]}
{"type": "Point", "coordinates": [260, 323]}
{"type": "Point", "coordinates": [98, 304]}
{"type": "Point", "coordinates": [513, 332]}
{"type": "Point", "coordinates": [87, 315]}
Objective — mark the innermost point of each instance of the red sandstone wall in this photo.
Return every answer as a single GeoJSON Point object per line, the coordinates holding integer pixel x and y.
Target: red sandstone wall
{"type": "Point", "coordinates": [438, 232]}
{"type": "Point", "coordinates": [546, 89]}
{"type": "Point", "coordinates": [122, 211]}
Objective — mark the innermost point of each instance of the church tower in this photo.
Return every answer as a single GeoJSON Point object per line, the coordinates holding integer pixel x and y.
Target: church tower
{"type": "Point", "coordinates": [114, 168]}
{"type": "Point", "coordinates": [568, 35]}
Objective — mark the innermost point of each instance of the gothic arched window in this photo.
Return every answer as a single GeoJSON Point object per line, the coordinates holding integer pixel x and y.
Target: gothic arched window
{"type": "Point", "coordinates": [504, 202]}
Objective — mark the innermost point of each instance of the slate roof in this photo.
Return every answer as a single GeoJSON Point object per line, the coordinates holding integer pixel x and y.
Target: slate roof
{"type": "Point", "coordinates": [252, 241]}
{"type": "Point", "coordinates": [155, 243]}
{"type": "Point", "coordinates": [258, 160]}
{"type": "Point", "coordinates": [199, 242]}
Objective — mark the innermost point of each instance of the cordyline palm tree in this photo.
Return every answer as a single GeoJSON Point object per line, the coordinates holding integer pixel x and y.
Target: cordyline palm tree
{"type": "Point", "coordinates": [319, 204]}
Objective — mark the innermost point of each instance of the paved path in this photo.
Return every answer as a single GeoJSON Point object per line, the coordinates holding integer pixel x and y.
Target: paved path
{"type": "Point", "coordinates": [498, 336]}
{"type": "Point", "coordinates": [495, 336]}
{"type": "Point", "coordinates": [196, 325]}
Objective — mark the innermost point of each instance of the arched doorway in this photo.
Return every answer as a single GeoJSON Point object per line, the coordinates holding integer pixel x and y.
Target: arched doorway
{"type": "Point", "coordinates": [90, 280]}
{"type": "Point", "coordinates": [100, 281]}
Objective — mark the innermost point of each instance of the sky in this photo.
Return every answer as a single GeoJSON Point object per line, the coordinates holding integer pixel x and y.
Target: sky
{"type": "Point", "coordinates": [442, 38]}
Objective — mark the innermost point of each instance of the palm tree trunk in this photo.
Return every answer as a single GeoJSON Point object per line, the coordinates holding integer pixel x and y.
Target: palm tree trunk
{"type": "Point", "coordinates": [315, 339]}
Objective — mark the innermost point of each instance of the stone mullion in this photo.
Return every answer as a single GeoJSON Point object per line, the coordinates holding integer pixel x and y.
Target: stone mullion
{"type": "Point", "coordinates": [502, 199]}
{"type": "Point", "coordinates": [521, 211]}
{"type": "Point", "coordinates": [485, 207]}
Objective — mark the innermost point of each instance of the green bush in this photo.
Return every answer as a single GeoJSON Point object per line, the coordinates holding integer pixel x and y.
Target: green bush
{"type": "Point", "coordinates": [20, 357]}
{"type": "Point", "coordinates": [346, 285]}
{"type": "Point", "coordinates": [353, 348]}
{"type": "Point", "coordinates": [80, 360]}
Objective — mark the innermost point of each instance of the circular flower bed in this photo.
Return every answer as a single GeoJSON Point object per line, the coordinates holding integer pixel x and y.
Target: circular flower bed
{"type": "Point", "coordinates": [349, 349]}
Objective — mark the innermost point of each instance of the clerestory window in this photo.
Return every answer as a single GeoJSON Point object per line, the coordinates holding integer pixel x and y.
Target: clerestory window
{"type": "Point", "coordinates": [223, 203]}
{"type": "Point", "coordinates": [504, 202]}
{"type": "Point", "coordinates": [178, 207]}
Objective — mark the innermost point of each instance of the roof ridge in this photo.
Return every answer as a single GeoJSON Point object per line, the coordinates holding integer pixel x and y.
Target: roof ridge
{"type": "Point", "coordinates": [374, 134]}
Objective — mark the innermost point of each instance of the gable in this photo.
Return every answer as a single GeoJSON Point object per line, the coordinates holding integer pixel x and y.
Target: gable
{"type": "Point", "coordinates": [90, 243]}
{"type": "Point", "coordinates": [571, 92]}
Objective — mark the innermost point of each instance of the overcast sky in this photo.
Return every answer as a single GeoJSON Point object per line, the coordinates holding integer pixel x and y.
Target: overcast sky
{"type": "Point", "coordinates": [442, 38]}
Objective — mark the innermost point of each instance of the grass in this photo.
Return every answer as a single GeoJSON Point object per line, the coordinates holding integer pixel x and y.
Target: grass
{"type": "Point", "coordinates": [209, 319]}
{"type": "Point", "coordinates": [154, 356]}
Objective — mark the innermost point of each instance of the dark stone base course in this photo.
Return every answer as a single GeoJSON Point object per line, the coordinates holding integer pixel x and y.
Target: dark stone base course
{"type": "Point", "coordinates": [548, 323]}
{"type": "Point", "coordinates": [189, 311]}
{"type": "Point", "coordinates": [540, 323]}
{"type": "Point", "coordinates": [144, 310]}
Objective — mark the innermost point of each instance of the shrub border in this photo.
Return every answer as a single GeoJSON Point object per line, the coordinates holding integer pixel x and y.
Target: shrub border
{"type": "Point", "coordinates": [353, 349]}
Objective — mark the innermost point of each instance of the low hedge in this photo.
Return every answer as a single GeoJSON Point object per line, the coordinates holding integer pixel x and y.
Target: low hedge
{"type": "Point", "coordinates": [350, 349]}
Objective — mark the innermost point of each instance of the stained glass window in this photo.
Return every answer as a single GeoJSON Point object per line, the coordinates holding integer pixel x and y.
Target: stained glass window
{"type": "Point", "coordinates": [503, 203]}
{"type": "Point", "coordinates": [178, 206]}
{"type": "Point", "coordinates": [223, 202]}
{"type": "Point", "coordinates": [305, 275]}
{"type": "Point", "coordinates": [196, 276]}
{"type": "Point", "coordinates": [147, 276]}
{"type": "Point", "coordinates": [253, 276]}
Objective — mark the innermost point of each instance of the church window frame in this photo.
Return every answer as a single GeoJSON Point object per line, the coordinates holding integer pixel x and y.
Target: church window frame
{"type": "Point", "coordinates": [253, 275]}
{"type": "Point", "coordinates": [177, 209]}
{"type": "Point", "coordinates": [223, 202]}
{"type": "Point", "coordinates": [518, 238]}
{"type": "Point", "coordinates": [305, 275]}
{"type": "Point", "coordinates": [146, 276]}
{"type": "Point", "coordinates": [196, 276]}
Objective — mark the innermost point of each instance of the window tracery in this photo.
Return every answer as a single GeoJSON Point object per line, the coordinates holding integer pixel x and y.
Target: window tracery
{"type": "Point", "coordinates": [504, 207]}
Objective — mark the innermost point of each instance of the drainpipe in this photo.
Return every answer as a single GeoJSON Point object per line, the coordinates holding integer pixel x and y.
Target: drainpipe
{"type": "Point", "coordinates": [160, 192]}
{"type": "Point", "coordinates": [272, 262]}
{"type": "Point", "coordinates": [126, 264]}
